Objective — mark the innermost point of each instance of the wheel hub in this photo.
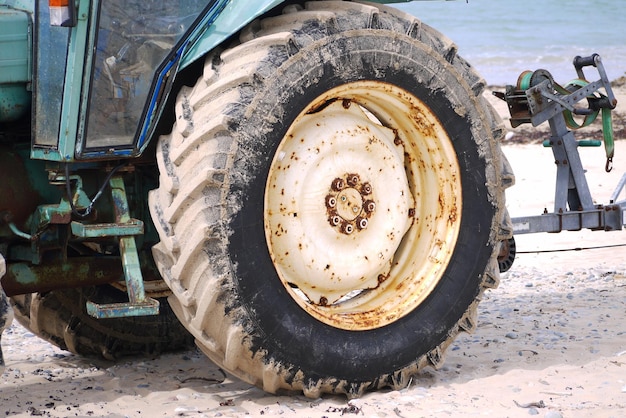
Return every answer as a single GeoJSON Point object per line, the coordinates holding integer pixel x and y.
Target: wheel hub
{"type": "Point", "coordinates": [325, 240]}
{"type": "Point", "coordinates": [349, 205]}
{"type": "Point", "coordinates": [362, 205]}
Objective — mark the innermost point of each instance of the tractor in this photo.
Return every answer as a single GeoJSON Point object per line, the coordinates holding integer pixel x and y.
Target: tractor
{"type": "Point", "coordinates": [311, 191]}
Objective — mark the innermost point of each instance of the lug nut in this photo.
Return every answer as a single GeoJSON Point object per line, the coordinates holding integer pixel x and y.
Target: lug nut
{"type": "Point", "coordinates": [369, 206]}
{"type": "Point", "coordinates": [331, 201]}
{"type": "Point", "coordinates": [361, 223]}
{"type": "Point", "coordinates": [366, 189]}
{"type": "Point", "coordinates": [338, 184]}
{"type": "Point", "coordinates": [334, 220]}
{"type": "Point", "coordinates": [353, 180]}
{"type": "Point", "coordinates": [347, 228]}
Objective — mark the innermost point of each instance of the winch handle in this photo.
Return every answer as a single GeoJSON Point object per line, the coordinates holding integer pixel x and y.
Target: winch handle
{"type": "Point", "coordinates": [580, 62]}
{"type": "Point", "coordinates": [608, 102]}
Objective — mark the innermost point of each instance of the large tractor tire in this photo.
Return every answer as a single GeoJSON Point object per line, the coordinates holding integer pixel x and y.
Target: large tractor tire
{"type": "Point", "coordinates": [60, 317]}
{"type": "Point", "coordinates": [331, 200]}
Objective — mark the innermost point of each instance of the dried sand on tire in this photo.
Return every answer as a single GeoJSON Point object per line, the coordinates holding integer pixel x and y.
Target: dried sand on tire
{"type": "Point", "coordinates": [551, 341]}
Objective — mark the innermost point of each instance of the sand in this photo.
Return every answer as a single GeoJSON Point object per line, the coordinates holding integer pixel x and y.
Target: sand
{"type": "Point", "coordinates": [551, 339]}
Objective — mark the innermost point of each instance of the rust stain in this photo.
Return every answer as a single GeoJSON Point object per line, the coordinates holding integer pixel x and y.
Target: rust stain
{"type": "Point", "coordinates": [76, 272]}
{"type": "Point", "coordinates": [453, 215]}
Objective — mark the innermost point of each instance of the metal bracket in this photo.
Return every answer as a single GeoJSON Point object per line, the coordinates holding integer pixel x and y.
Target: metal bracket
{"type": "Point", "coordinates": [573, 205]}
{"type": "Point", "coordinates": [124, 227]}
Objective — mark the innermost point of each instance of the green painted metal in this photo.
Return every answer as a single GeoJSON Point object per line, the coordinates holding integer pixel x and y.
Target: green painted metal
{"type": "Point", "coordinates": [580, 143]}
{"type": "Point", "coordinates": [79, 58]}
{"type": "Point", "coordinates": [61, 213]}
{"type": "Point", "coordinates": [133, 227]}
{"type": "Point", "coordinates": [25, 277]}
{"type": "Point", "coordinates": [53, 214]}
{"type": "Point", "coordinates": [234, 17]}
{"type": "Point", "coordinates": [15, 63]}
{"type": "Point", "coordinates": [14, 229]}
{"type": "Point", "coordinates": [27, 6]}
{"type": "Point", "coordinates": [14, 101]}
{"type": "Point", "coordinates": [138, 304]}
{"type": "Point", "coordinates": [15, 42]}
{"type": "Point", "coordinates": [49, 60]}
{"type": "Point", "coordinates": [122, 310]}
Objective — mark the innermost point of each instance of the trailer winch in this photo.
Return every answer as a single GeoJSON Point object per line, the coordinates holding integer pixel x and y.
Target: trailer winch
{"type": "Point", "coordinates": [537, 98]}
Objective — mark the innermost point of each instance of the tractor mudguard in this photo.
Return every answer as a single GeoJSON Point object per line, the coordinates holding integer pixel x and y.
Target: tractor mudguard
{"type": "Point", "coordinates": [238, 14]}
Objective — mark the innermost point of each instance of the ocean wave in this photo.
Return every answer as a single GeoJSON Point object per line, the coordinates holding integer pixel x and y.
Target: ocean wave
{"type": "Point", "coordinates": [501, 39]}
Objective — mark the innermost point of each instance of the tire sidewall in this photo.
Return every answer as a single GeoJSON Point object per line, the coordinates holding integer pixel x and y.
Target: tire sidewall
{"type": "Point", "coordinates": [275, 325]}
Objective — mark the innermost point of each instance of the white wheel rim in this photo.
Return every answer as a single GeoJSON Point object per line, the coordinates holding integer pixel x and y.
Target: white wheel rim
{"type": "Point", "coordinates": [362, 205]}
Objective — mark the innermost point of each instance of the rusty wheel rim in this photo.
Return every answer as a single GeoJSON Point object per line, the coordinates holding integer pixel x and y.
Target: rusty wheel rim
{"type": "Point", "coordinates": [362, 205]}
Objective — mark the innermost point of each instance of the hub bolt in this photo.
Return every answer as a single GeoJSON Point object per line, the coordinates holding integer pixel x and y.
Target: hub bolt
{"type": "Point", "coordinates": [338, 184]}
{"type": "Point", "coordinates": [353, 180]}
{"type": "Point", "coordinates": [369, 206]}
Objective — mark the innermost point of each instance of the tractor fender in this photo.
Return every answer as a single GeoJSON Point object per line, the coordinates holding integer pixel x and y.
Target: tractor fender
{"type": "Point", "coordinates": [236, 15]}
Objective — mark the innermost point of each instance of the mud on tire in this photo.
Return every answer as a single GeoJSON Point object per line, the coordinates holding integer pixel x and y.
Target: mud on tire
{"type": "Point", "coordinates": [331, 200]}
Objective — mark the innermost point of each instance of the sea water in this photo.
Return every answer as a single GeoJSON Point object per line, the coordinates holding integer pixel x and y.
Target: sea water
{"type": "Point", "coordinates": [502, 38]}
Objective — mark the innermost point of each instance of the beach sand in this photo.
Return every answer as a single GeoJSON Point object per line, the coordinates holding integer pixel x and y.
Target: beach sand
{"type": "Point", "coordinates": [550, 342]}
